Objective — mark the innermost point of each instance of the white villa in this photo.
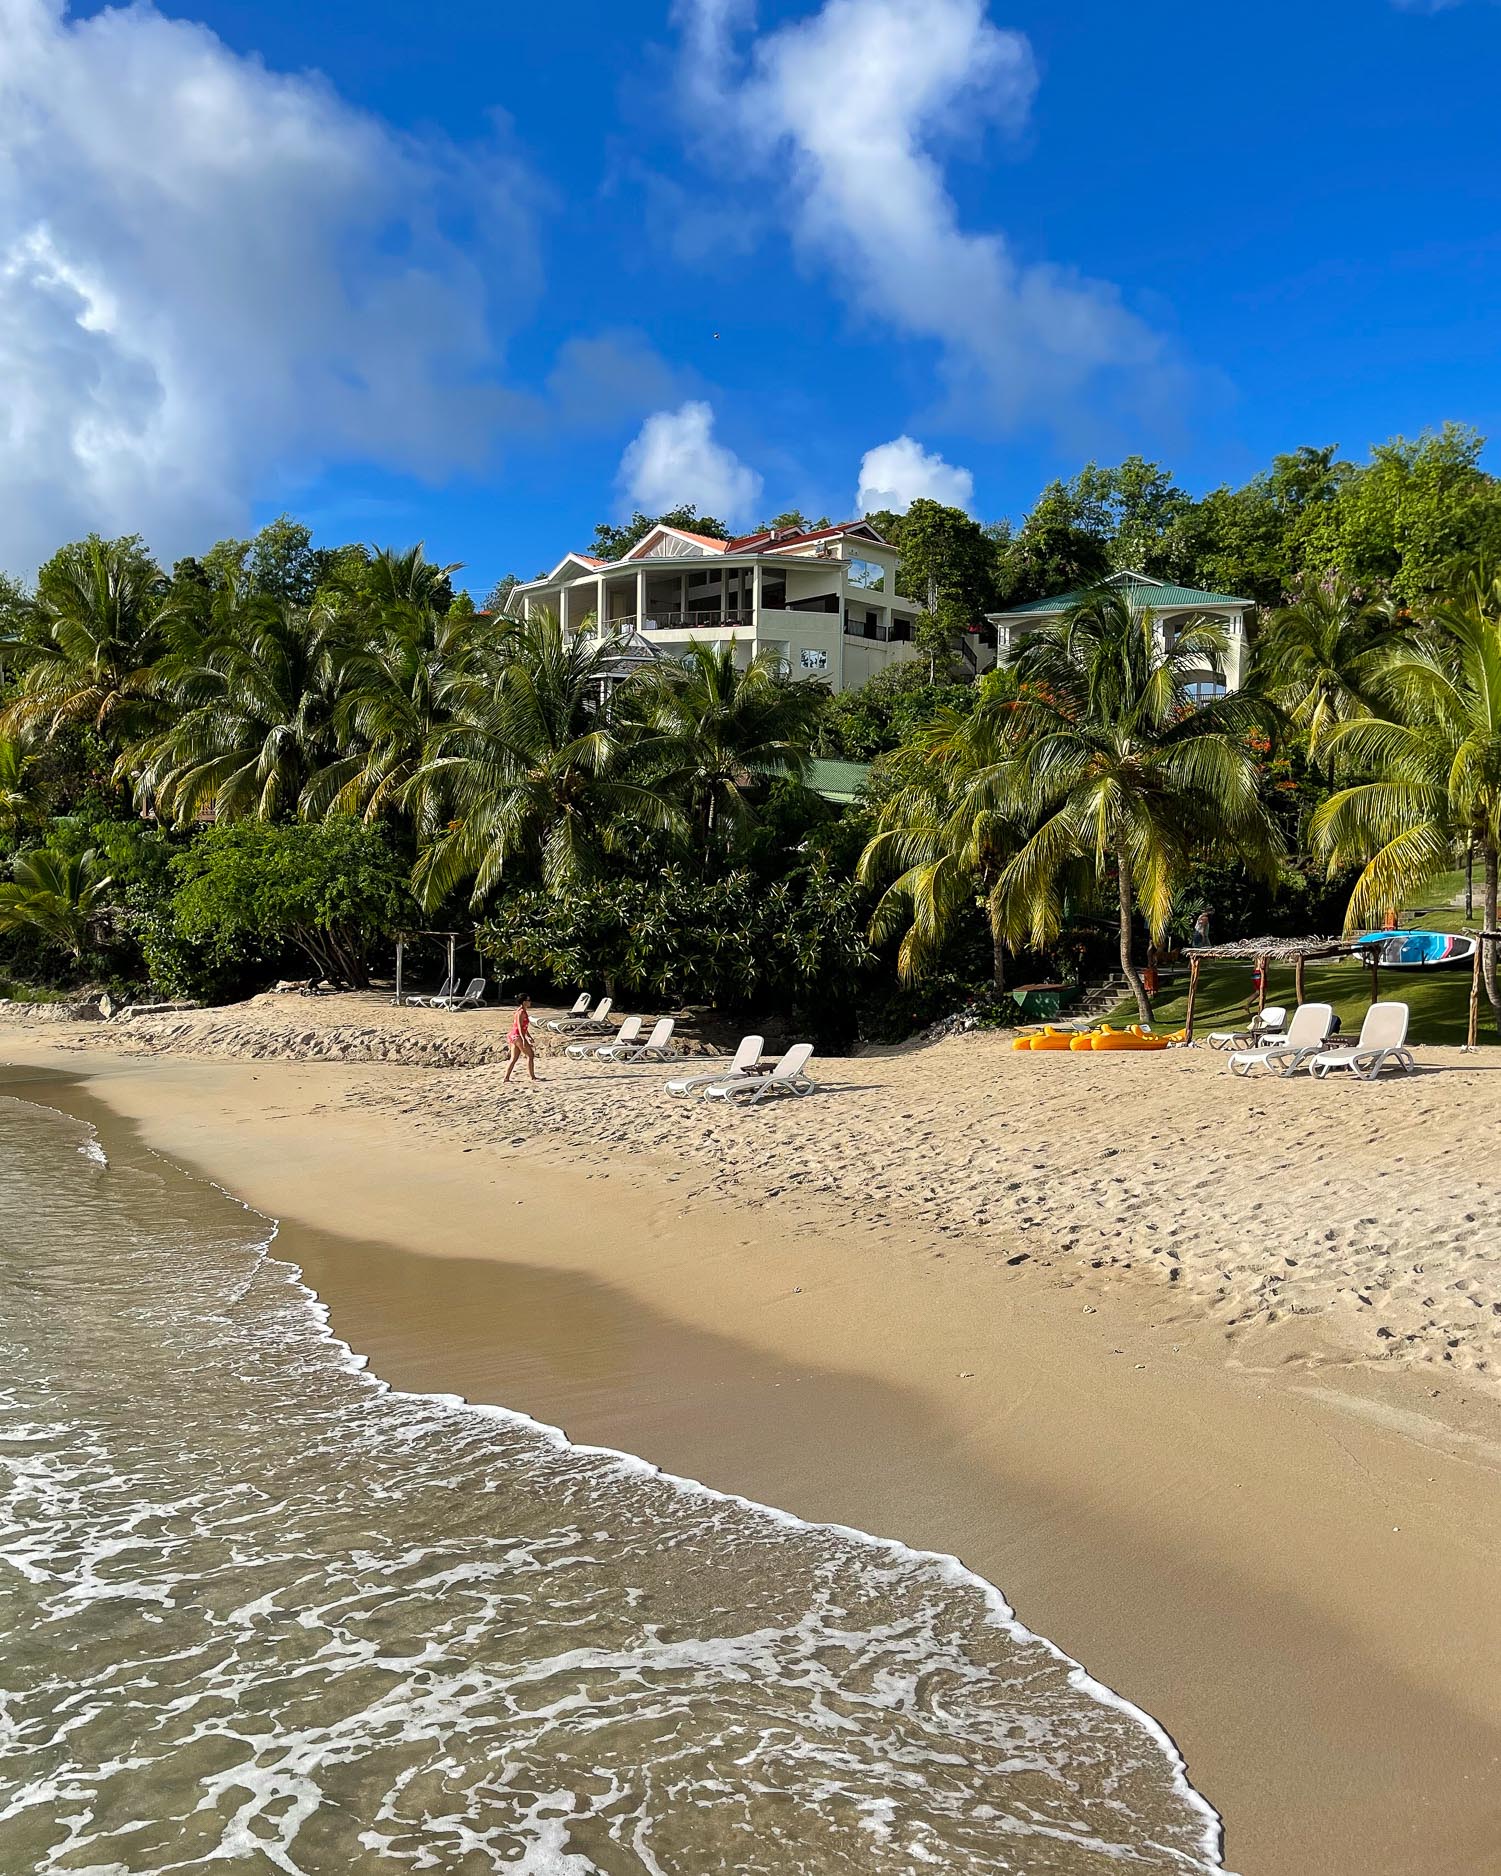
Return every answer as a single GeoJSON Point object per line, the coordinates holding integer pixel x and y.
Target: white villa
{"type": "Point", "coordinates": [823, 600]}
{"type": "Point", "coordinates": [1169, 607]}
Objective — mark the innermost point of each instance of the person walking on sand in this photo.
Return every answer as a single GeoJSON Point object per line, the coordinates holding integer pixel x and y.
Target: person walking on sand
{"type": "Point", "coordinates": [520, 1039]}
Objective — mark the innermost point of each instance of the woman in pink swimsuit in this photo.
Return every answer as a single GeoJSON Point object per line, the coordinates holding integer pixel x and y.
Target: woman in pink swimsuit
{"type": "Point", "coordinates": [520, 1039]}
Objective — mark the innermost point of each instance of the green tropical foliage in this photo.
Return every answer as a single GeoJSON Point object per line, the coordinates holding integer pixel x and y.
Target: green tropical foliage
{"type": "Point", "coordinates": [61, 898]}
{"type": "Point", "coordinates": [1429, 758]}
{"type": "Point", "coordinates": [536, 772]}
{"type": "Point", "coordinates": [1117, 768]}
{"type": "Point", "coordinates": [84, 660]}
{"type": "Point", "coordinates": [275, 749]}
{"type": "Point", "coordinates": [1322, 655]}
{"type": "Point", "coordinates": [247, 705]}
{"type": "Point", "coordinates": [944, 838]}
{"type": "Point", "coordinates": [723, 732]}
{"type": "Point", "coordinates": [17, 802]}
{"type": "Point", "coordinates": [334, 891]}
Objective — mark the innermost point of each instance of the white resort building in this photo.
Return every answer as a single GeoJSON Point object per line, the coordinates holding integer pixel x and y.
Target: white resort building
{"type": "Point", "coordinates": [823, 600]}
{"type": "Point", "coordinates": [1169, 607]}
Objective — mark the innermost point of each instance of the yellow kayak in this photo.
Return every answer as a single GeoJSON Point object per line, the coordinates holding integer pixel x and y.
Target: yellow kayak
{"type": "Point", "coordinates": [1133, 1038]}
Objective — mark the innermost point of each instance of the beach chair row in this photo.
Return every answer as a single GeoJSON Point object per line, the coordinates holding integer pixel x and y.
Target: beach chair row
{"type": "Point", "coordinates": [1305, 1044]}
{"type": "Point", "coordinates": [749, 1076]}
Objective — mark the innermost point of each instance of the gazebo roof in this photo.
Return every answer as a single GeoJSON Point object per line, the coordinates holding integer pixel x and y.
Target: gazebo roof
{"type": "Point", "coordinates": [1142, 592]}
{"type": "Point", "coordinates": [1274, 948]}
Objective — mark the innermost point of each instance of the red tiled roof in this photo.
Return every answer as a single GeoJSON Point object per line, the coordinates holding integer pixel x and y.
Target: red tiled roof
{"type": "Point", "coordinates": [591, 560]}
{"type": "Point", "coordinates": [764, 540]}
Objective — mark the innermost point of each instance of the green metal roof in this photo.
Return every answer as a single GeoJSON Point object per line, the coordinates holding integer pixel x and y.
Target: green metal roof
{"type": "Point", "coordinates": [1141, 591]}
{"type": "Point", "coordinates": [838, 782]}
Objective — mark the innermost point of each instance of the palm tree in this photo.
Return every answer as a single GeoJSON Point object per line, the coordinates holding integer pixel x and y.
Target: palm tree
{"type": "Point", "coordinates": [535, 772]}
{"type": "Point", "coordinates": [393, 691]}
{"type": "Point", "coordinates": [724, 729]}
{"type": "Point", "coordinates": [96, 608]}
{"type": "Point", "coordinates": [61, 897]}
{"type": "Point", "coordinates": [17, 802]}
{"type": "Point", "coordinates": [943, 838]}
{"type": "Point", "coordinates": [250, 698]}
{"type": "Point", "coordinates": [1323, 654]}
{"type": "Point", "coordinates": [407, 578]}
{"type": "Point", "coordinates": [1430, 756]}
{"type": "Point", "coordinates": [1117, 767]}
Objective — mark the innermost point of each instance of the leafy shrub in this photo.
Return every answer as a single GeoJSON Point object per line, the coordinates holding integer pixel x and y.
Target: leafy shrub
{"type": "Point", "coordinates": [736, 943]}
{"type": "Point", "coordinates": [333, 891]}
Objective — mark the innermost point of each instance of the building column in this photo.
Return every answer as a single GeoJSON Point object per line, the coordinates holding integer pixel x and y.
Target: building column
{"type": "Point", "coordinates": [756, 598]}
{"type": "Point", "coordinates": [640, 598]}
{"type": "Point", "coordinates": [600, 602]}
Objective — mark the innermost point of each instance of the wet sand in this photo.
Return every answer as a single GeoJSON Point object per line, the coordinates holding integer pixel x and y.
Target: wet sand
{"type": "Point", "coordinates": [1290, 1564]}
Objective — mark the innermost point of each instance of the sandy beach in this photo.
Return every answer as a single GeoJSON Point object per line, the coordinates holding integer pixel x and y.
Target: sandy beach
{"type": "Point", "coordinates": [1201, 1373]}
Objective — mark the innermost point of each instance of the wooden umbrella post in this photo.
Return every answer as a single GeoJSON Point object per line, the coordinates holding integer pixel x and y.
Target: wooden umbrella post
{"type": "Point", "coordinates": [1375, 974]}
{"type": "Point", "coordinates": [400, 948]}
{"type": "Point", "coordinates": [1473, 1036]}
{"type": "Point", "coordinates": [1298, 964]}
{"type": "Point", "coordinates": [1193, 991]}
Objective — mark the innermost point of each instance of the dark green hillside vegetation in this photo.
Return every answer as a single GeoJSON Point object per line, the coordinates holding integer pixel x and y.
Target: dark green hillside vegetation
{"type": "Point", "coordinates": [269, 757]}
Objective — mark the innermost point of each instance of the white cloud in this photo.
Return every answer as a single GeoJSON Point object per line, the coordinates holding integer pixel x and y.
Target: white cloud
{"type": "Point", "coordinates": [895, 474]}
{"type": "Point", "coordinates": [674, 459]}
{"type": "Point", "coordinates": [847, 109]}
{"type": "Point", "coordinates": [209, 270]}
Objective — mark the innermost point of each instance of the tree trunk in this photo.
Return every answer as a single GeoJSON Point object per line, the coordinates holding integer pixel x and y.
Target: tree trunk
{"type": "Point", "coordinates": [1128, 967]}
{"type": "Point", "coordinates": [1492, 869]}
{"type": "Point", "coordinates": [997, 959]}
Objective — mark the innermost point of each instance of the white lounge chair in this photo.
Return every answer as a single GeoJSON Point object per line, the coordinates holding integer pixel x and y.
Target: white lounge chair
{"type": "Point", "coordinates": [656, 1048]}
{"type": "Point", "coordinates": [471, 999]}
{"type": "Point", "coordinates": [741, 1068]}
{"type": "Point", "coordinates": [1260, 1032]}
{"type": "Point", "coordinates": [432, 1002]}
{"type": "Point", "coordinates": [581, 1005]}
{"type": "Point", "coordinates": [584, 1024]}
{"type": "Point", "coordinates": [788, 1077]}
{"type": "Point", "coordinates": [1306, 1035]}
{"type": "Point", "coordinates": [604, 1051]}
{"type": "Point", "coordinates": [1382, 1044]}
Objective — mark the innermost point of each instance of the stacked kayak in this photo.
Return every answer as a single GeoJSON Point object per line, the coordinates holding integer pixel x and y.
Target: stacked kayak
{"type": "Point", "coordinates": [1102, 1039]}
{"type": "Point", "coordinates": [1048, 1038]}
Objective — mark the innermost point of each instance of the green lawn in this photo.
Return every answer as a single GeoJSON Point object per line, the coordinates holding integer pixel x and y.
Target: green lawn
{"type": "Point", "coordinates": [1439, 1000]}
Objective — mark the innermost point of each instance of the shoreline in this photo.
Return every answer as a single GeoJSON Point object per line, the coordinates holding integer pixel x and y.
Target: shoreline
{"type": "Point", "coordinates": [1329, 1680]}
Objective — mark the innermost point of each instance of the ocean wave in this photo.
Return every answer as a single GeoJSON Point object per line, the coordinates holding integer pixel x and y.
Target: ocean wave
{"type": "Point", "coordinates": [429, 1630]}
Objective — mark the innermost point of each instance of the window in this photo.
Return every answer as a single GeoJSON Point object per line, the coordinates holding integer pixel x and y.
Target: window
{"type": "Point", "coordinates": [812, 659]}
{"type": "Point", "coordinates": [866, 573]}
{"type": "Point", "coordinates": [774, 591]}
{"type": "Point", "coordinates": [1204, 689]}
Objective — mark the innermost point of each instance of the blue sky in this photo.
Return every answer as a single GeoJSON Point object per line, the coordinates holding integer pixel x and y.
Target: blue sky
{"type": "Point", "coordinates": [486, 276]}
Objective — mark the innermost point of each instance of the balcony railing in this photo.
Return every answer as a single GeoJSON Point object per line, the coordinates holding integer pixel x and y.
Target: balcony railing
{"type": "Point", "coordinates": [897, 634]}
{"type": "Point", "coordinates": [669, 621]}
